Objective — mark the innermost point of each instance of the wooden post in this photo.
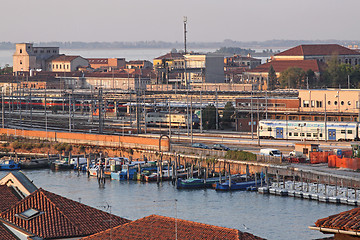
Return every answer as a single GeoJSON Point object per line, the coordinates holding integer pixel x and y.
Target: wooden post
{"type": "Point", "coordinates": [229, 176]}
{"type": "Point", "coordinates": [255, 179]}
{"type": "Point", "coordinates": [283, 181]}
{"type": "Point", "coordinates": [220, 180]}
{"type": "Point", "coordinates": [247, 172]}
{"type": "Point", "coordinates": [266, 176]}
{"type": "Point", "coordinates": [317, 185]}
{"type": "Point", "coordinates": [88, 166]}
{"type": "Point", "coordinates": [157, 171]}
{"type": "Point", "coordinates": [277, 178]}
{"type": "Point", "coordinates": [336, 182]}
{"type": "Point", "coordinates": [78, 163]}
{"type": "Point", "coordinates": [301, 180]}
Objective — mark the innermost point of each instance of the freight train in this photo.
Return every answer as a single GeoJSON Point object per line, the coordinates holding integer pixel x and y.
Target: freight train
{"type": "Point", "coordinates": [178, 120]}
{"type": "Point", "coordinates": [308, 130]}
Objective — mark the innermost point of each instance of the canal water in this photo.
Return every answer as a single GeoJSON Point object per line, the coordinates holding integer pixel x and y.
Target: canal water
{"type": "Point", "coordinates": [267, 216]}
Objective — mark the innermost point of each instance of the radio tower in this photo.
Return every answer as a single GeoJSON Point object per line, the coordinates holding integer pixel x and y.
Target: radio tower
{"type": "Point", "coordinates": [185, 22]}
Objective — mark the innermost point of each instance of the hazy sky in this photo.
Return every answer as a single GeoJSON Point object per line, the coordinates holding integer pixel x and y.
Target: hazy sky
{"type": "Point", "coordinates": [208, 20]}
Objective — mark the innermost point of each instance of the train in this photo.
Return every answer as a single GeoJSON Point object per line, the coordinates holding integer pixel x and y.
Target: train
{"type": "Point", "coordinates": [60, 103]}
{"type": "Point", "coordinates": [308, 130]}
{"type": "Point", "coordinates": [178, 120]}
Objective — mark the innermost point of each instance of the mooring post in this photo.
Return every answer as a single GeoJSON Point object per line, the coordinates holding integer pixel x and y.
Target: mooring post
{"type": "Point", "coordinates": [336, 182]}
{"type": "Point", "coordinates": [301, 180]}
{"type": "Point", "coordinates": [317, 185]}
{"type": "Point", "coordinates": [277, 178]}
{"type": "Point", "coordinates": [229, 177]}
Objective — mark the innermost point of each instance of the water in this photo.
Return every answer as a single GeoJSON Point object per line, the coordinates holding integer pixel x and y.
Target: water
{"type": "Point", "coordinates": [267, 216]}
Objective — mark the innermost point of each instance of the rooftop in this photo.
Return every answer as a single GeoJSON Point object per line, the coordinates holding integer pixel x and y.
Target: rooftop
{"type": "Point", "coordinates": [280, 66]}
{"type": "Point", "coordinates": [164, 228]}
{"type": "Point", "coordinates": [8, 197]}
{"type": "Point", "coordinates": [49, 215]}
{"type": "Point", "coordinates": [348, 221]}
{"type": "Point", "coordinates": [318, 50]}
{"type": "Point", "coordinates": [64, 58]}
{"type": "Point", "coordinates": [171, 56]}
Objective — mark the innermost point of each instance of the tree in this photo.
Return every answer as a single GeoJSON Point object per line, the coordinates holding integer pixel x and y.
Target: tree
{"type": "Point", "coordinates": [209, 117]}
{"type": "Point", "coordinates": [272, 79]}
{"type": "Point", "coordinates": [292, 77]}
{"type": "Point", "coordinates": [228, 114]}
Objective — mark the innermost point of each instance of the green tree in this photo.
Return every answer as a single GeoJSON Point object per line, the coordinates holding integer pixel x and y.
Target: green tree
{"type": "Point", "coordinates": [292, 77]}
{"type": "Point", "coordinates": [272, 79]}
{"type": "Point", "coordinates": [228, 114]}
{"type": "Point", "coordinates": [209, 117]}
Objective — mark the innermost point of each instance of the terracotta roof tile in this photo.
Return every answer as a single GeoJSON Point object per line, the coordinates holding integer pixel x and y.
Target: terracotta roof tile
{"type": "Point", "coordinates": [8, 197]}
{"type": "Point", "coordinates": [6, 234]}
{"type": "Point", "coordinates": [60, 216]}
{"type": "Point", "coordinates": [318, 50]}
{"type": "Point", "coordinates": [65, 58]}
{"type": "Point", "coordinates": [349, 220]}
{"type": "Point", "coordinates": [171, 56]}
{"type": "Point", "coordinates": [280, 66]}
{"type": "Point", "coordinates": [156, 227]}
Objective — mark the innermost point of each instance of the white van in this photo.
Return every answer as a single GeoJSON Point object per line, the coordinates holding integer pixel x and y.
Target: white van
{"type": "Point", "coordinates": [270, 152]}
{"type": "Point", "coordinates": [81, 161]}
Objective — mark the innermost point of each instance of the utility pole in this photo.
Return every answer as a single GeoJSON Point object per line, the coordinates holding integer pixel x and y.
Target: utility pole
{"type": "Point", "coordinates": [69, 112]}
{"type": "Point", "coordinates": [100, 111]}
{"type": "Point", "coordinates": [201, 124]}
{"type": "Point", "coordinates": [251, 115]}
{"type": "Point", "coordinates": [217, 110]}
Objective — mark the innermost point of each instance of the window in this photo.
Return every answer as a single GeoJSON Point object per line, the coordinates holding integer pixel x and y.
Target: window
{"type": "Point", "coordinates": [320, 134]}
{"type": "Point", "coordinates": [28, 214]}
{"type": "Point", "coordinates": [349, 131]}
{"type": "Point", "coordinates": [329, 103]}
{"type": "Point", "coordinates": [296, 134]}
{"type": "Point", "coordinates": [20, 61]}
{"type": "Point", "coordinates": [315, 135]}
{"type": "Point", "coordinates": [67, 66]}
{"type": "Point", "coordinates": [335, 103]}
{"type": "Point", "coordinates": [60, 66]}
{"type": "Point", "coordinates": [20, 50]}
{"type": "Point", "coordinates": [318, 104]}
{"type": "Point", "coordinates": [269, 129]}
{"type": "Point", "coordinates": [308, 134]}
{"type": "Point", "coordinates": [305, 151]}
{"type": "Point", "coordinates": [302, 134]}
{"type": "Point", "coordinates": [342, 102]}
{"type": "Point", "coordinates": [342, 131]}
{"type": "Point", "coordinates": [290, 134]}
{"type": "Point", "coordinates": [48, 51]}
{"type": "Point", "coordinates": [349, 103]}
{"type": "Point", "coordinates": [305, 103]}
{"type": "Point", "coordinates": [312, 103]}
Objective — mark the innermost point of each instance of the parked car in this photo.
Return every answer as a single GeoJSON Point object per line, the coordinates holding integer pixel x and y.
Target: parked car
{"type": "Point", "coordinates": [270, 152]}
{"type": "Point", "coordinates": [220, 147]}
{"type": "Point", "coordinates": [200, 145]}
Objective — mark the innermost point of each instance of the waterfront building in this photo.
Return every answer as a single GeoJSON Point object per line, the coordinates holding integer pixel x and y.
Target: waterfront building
{"type": "Point", "coordinates": [139, 64]}
{"type": "Point", "coordinates": [27, 57]}
{"type": "Point", "coordinates": [319, 52]}
{"type": "Point", "coordinates": [159, 227]}
{"type": "Point", "coordinates": [241, 61]}
{"type": "Point", "coordinates": [107, 63]}
{"type": "Point", "coordinates": [65, 63]}
{"type": "Point", "coordinates": [259, 75]}
{"type": "Point", "coordinates": [177, 68]}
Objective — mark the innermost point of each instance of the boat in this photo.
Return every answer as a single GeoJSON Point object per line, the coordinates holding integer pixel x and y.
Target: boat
{"type": "Point", "coordinates": [193, 183]}
{"type": "Point", "coordinates": [61, 165]}
{"type": "Point", "coordinates": [34, 163]}
{"type": "Point", "coordinates": [9, 164]}
{"type": "Point", "coordinates": [226, 186]}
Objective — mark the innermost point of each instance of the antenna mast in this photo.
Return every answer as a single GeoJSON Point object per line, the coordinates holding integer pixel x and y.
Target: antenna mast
{"type": "Point", "coordinates": [185, 22]}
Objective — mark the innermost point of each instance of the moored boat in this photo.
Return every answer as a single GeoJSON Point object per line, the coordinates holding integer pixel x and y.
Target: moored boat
{"type": "Point", "coordinates": [9, 164]}
{"type": "Point", "coordinates": [226, 186]}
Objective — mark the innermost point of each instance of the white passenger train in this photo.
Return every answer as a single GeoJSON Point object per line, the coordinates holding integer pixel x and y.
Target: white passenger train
{"type": "Point", "coordinates": [178, 120]}
{"type": "Point", "coordinates": [308, 130]}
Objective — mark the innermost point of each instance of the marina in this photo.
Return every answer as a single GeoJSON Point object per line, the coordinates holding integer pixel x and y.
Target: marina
{"type": "Point", "coordinates": [268, 216]}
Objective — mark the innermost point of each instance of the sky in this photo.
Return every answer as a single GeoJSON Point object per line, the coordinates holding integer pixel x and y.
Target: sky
{"type": "Point", "coordinates": [162, 20]}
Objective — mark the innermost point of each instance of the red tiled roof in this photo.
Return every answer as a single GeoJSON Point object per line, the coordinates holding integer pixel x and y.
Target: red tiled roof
{"type": "Point", "coordinates": [65, 58]}
{"type": "Point", "coordinates": [318, 50]}
{"type": "Point", "coordinates": [280, 66]}
{"type": "Point", "coordinates": [349, 220]}
{"type": "Point", "coordinates": [98, 60]}
{"type": "Point", "coordinates": [171, 56]}
{"type": "Point", "coordinates": [60, 217]}
{"type": "Point", "coordinates": [8, 197]}
{"type": "Point", "coordinates": [156, 227]}
{"type": "Point", "coordinates": [6, 234]}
